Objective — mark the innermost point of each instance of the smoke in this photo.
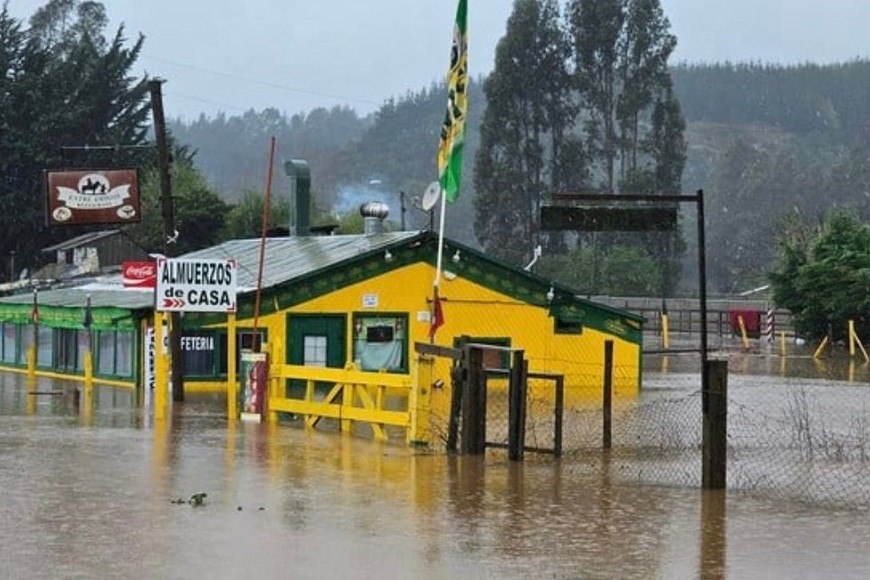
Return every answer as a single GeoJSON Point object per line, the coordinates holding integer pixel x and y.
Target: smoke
{"type": "Point", "coordinates": [350, 197]}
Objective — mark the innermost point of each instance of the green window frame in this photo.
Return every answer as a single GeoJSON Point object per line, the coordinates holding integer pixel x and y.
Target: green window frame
{"type": "Point", "coordinates": [380, 341]}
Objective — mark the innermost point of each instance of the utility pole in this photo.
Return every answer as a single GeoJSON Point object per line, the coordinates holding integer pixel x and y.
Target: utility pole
{"type": "Point", "coordinates": [169, 233]}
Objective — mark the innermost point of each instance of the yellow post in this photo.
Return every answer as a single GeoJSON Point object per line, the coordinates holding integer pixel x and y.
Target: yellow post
{"type": "Point", "coordinates": [232, 371]}
{"type": "Point", "coordinates": [89, 368]}
{"type": "Point", "coordinates": [666, 331]}
{"type": "Point", "coordinates": [31, 361]}
{"type": "Point", "coordinates": [419, 401]}
{"type": "Point", "coordinates": [819, 350]}
{"type": "Point", "coordinates": [86, 403]}
{"type": "Point", "coordinates": [860, 345]}
{"type": "Point", "coordinates": [347, 395]}
{"type": "Point", "coordinates": [161, 369]}
{"type": "Point", "coordinates": [782, 342]}
{"type": "Point", "coordinates": [852, 338]}
{"type": "Point", "coordinates": [743, 335]}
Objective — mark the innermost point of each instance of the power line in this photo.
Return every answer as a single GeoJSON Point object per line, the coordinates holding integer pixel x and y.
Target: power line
{"type": "Point", "coordinates": [270, 84]}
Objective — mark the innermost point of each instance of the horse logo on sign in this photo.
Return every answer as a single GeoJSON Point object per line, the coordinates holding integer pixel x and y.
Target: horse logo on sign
{"type": "Point", "coordinates": [80, 197]}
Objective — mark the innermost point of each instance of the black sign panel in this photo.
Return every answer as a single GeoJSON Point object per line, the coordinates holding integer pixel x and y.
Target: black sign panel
{"type": "Point", "coordinates": [608, 219]}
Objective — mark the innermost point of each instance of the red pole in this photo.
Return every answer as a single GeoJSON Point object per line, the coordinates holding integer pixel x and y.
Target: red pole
{"type": "Point", "coordinates": [264, 227]}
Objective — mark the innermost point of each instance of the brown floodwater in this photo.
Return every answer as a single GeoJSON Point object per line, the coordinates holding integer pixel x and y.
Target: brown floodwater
{"type": "Point", "coordinates": [89, 485]}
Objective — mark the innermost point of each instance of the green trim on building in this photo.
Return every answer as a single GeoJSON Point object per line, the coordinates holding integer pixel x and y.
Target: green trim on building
{"type": "Point", "coordinates": [102, 318]}
{"type": "Point", "coordinates": [473, 265]}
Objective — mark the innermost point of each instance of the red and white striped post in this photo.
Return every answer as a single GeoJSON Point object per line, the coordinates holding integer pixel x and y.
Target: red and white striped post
{"type": "Point", "coordinates": [769, 326]}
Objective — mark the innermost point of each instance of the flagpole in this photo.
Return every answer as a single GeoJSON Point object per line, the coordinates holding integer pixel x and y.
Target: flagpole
{"type": "Point", "coordinates": [440, 239]}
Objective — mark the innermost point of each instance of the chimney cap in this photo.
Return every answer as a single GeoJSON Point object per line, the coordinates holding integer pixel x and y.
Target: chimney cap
{"type": "Point", "coordinates": [374, 209]}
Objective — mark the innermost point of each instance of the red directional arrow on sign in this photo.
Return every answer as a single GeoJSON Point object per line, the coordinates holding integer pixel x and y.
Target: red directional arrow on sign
{"type": "Point", "coordinates": [173, 303]}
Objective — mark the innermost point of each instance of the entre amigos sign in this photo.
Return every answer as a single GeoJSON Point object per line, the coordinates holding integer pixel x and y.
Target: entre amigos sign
{"type": "Point", "coordinates": [92, 197]}
{"type": "Point", "coordinates": [185, 285]}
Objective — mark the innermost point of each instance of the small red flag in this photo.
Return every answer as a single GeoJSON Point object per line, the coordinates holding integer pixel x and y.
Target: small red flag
{"type": "Point", "coordinates": [437, 315]}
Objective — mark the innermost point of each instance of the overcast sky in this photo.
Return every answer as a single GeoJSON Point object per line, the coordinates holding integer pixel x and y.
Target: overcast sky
{"type": "Point", "coordinates": [233, 55]}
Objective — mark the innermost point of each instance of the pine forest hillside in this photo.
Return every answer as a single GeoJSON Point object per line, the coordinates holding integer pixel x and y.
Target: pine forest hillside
{"type": "Point", "coordinates": [764, 141]}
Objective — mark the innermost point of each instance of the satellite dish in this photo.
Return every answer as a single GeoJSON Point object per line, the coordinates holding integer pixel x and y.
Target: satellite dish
{"type": "Point", "coordinates": [431, 196]}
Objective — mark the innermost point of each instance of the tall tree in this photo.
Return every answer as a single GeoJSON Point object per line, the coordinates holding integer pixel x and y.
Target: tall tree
{"type": "Point", "coordinates": [63, 84]}
{"type": "Point", "coordinates": [634, 127]}
{"type": "Point", "coordinates": [823, 278]}
{"type": "Point", "coordinates": [597, 27]}
{"type": "Point", "coordinates": [524, 146]}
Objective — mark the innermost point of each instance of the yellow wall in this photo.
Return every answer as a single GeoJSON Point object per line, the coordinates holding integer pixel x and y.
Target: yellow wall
{"type": "Point", "coordinates": [478, 312]}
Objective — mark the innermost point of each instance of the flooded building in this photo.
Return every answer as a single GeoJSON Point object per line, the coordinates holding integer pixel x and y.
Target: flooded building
{"type": "Point", "coordinates": [359, 302]}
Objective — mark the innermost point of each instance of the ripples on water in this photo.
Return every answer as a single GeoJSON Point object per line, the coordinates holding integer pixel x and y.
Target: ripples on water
{"type": "Point", "coordinates": [86, 494]}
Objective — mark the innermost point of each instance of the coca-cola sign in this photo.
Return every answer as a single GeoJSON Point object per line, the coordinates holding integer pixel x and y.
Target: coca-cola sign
{"type": "Point", "coordinates": [92, 196]}
{"type": "Point", "coordinates": [139, 274]}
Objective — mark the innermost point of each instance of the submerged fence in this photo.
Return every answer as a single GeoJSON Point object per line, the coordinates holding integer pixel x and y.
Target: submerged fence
{"type": "Point", "coordinates": [803, 439]}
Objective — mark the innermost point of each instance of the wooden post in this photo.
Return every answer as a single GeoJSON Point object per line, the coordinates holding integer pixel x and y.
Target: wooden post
{"type": "Point", "coordinates": [714, 401]}
{"type": "Point", "coordinates": [474, 405]}
{"type": "Point", "coordinates": [607, 434]}
{"type": "Point", "coordinates": [232, 371]}
{"type": "Point", "coordinates": [458, 379]}
{"type": "Point", "coordinates": [516, 408]}
{"type": "Point", "coordinates": [169, 232]}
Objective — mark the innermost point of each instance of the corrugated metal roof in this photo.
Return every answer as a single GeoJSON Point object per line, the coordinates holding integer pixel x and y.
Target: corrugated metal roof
{"type": "Point", "coordinates": [131, 299]}
{"type": "Point", "coordinates": [81, 240]}
{"type": "Point", "coordinates": [294, 257]}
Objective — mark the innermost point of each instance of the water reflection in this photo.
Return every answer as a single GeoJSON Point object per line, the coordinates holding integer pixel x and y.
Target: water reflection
{"type": "Point", "coordinates": [90, 496]}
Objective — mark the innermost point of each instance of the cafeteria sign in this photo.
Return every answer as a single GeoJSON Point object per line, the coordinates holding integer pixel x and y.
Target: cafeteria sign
{"type": "Point", "coordinates": [185, 285]}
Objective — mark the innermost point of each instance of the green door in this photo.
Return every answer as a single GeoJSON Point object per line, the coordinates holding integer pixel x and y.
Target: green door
{"type": "Point", "coordinates": [315, 340]}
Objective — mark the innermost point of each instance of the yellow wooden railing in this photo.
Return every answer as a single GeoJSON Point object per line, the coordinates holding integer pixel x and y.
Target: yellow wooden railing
{"type": "Point", "coordinates": [353, 396]}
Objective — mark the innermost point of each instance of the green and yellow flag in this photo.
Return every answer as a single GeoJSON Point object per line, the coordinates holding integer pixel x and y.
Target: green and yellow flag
{"type": "Point", "coordinates": [453, 129]}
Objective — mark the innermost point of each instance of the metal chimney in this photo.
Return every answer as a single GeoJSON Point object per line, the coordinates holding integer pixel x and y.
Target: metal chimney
{"type": "Point", "coordinates": [300, 190]}
{"type": "Point", "coordinates": [374, 213]}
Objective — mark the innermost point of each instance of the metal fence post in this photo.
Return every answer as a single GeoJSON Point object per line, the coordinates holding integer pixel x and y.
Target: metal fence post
{"type": "Point", "coordinates": [607, 432]}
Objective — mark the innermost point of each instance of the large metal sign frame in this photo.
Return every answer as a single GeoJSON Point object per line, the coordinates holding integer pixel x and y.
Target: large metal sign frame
{"type": "Point", "coordinates": [713, 463]}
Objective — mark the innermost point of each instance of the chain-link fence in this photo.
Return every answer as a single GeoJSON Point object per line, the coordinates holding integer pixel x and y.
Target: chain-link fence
{"type": "Point", "coordinates": [797, 438]}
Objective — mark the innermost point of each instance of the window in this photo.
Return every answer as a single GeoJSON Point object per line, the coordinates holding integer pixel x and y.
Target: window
{"type": "Point", "coordinates": [381, 342]}
{"type": "Point", "coordinates": [244, 340]}
{"type": "Point", "coordinates": [66, 348]}
{"type": "Point", "coordinates": [567, 325]}
{"type": "Point", "coordinates": [125, 342]}
{"type": "Point", "coordinates": [45, 350]}
{"type": "Point", "coordinates": [10, 333]}
{"type": "Point", "coordinates": [199, 351]}
{"type": "Point", "coordinates": [106, 352]}
{"type": "Point", "coordinates": [314, 351]}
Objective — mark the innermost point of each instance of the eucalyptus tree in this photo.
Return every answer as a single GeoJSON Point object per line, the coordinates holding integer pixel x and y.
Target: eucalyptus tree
{"type": "Point", "coordinates": [633, 124]}
{"type": "Point", "coordinates": [525, 146]}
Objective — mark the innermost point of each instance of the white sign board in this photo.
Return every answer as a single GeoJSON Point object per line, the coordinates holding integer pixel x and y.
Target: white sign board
{"type": "Point", "coordinates": [196, 285]}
